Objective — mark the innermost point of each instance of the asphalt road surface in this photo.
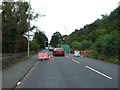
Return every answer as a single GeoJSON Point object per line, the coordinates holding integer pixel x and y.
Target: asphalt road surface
{"type": "Point", "coordinates": [71, 72]}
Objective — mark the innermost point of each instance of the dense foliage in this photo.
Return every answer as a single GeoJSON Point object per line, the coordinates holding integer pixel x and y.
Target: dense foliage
{"type": "Point", "coordinates": [40, 38]}
{"type": "Point", "coordinates": [14, 25]}
{"type": "Point", "coordinates": [100, 37]}
{"type": "Point", "coordinates": [56, 39]}
{"type": "Point", "coordinates": [34, 45]}
{"type": "Point", "coordinates": [108, 44]}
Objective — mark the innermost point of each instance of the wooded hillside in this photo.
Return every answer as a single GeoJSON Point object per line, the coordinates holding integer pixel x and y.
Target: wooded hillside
{"type": "Point", "coordinates": [100, 37]}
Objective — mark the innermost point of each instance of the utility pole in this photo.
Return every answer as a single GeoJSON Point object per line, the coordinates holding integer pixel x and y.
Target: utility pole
{"type": "Point", "coordinates": [29, 30]}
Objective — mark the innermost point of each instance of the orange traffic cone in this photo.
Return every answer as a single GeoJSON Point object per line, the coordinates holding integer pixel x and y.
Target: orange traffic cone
{"type": "Point", "coordinates": [49, 58]}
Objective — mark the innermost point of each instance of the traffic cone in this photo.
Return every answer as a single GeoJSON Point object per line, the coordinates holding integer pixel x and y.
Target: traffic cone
{"type": "Point", "coordinates": [49, 57]}
{"type": "Point", "coordinates": [52, 56]}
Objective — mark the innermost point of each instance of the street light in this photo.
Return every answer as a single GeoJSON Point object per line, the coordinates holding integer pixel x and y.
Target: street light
{"type": "Point", "coordinates": [29, 30]}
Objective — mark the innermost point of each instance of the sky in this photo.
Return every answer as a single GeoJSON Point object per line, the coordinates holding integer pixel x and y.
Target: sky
{"type": "Point", "coordinates": [67, 15]}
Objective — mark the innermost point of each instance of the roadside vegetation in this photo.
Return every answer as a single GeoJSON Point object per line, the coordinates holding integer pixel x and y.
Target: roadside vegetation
{"type": "Point", "coordinates": [15, 27]}
{"type": "Point", "coordinates": [101, 38]}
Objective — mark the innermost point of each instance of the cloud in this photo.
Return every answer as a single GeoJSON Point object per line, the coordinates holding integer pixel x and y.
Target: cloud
{"type": "Point", "coordinates": [71, 14]}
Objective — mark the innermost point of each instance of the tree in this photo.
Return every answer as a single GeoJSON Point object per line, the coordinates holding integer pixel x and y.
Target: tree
{"type": "Point", "coordinates": [65, 39]}
{"type": "Point", "coordinates": [14, 24]}
{"type": "Point", "coordinates": [34, 45]}
{"type": "Point", "coordinates": [108, 44]}
{"type": "Point", "coordinates": [40, 38]}
{"type": "Point", "coordinates": [85, 45]}
{"type": "Point", "coordinates": [75, 45]}
{"type": "Point", "coordinates": [56, 39]}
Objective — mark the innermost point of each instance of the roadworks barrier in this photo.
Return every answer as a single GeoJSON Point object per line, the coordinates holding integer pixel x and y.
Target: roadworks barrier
{"type": "Point", "coordinates": [45, 56]}
{"type": "Point", "coordinates": [78, 53]}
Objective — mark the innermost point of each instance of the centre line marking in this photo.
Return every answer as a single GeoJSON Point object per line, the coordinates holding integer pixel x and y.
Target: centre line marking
{"type": "Point", "coordinates": [75, 61]}
{"type": "Point", "coordinates": [98, 72]}
{"type": "Point", "coordinates": [67, 57]}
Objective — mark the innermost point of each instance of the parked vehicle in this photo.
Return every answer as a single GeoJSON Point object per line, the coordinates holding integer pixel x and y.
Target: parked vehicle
{"type": "Point", "coordinates": [51, 48]}
{"type": "Point", "coordinates": [58, 51]}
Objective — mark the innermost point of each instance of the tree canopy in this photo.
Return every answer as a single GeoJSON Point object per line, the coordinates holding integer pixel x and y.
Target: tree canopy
{"type": "Point", "coordinates": [14, 25]}
{"type": "Point", "coordinates": [40, 38]}
{"type": "Point", "coordinates": [100, 37]}
{"type": "Point", "coordinates": [56, 39]}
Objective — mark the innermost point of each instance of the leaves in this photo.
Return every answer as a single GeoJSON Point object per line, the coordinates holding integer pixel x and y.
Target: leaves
{"type": "Point", "coordinates": [40, 38]}
{"type": "Point", "coordinates": [56, 39]}
{"type": "Point", "coordinates": [14, 25]}
{"type": "Point", "coordinates": [108, 44]}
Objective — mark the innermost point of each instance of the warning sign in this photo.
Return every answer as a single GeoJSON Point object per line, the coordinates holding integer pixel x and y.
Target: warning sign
{"type": "Point", "coordinates": [42, 55]}
{"type": "Point", "coordinates": [77, 53]}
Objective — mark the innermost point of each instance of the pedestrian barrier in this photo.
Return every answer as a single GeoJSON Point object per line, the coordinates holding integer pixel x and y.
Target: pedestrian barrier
{"type": "Point", "coordinates": [81, 53]}
{"type": "Point", "coordinates": [45, 55]}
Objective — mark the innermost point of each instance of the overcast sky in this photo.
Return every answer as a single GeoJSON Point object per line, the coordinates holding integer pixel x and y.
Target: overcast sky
{"type": "Point", "coordinates": [67, 15]}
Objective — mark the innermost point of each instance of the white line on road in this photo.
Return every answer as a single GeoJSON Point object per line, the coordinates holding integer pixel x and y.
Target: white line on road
{"type": "Point", "coordinates": [98, 72]}
{"type": "Point", "coordinates": [18, 83]}
{"type": "Point", "coordinates": [75, 61]}
{"type": "Point", "coordinates": [67, 57]}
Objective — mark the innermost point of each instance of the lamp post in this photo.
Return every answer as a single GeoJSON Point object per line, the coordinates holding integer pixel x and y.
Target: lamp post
{"type": "Point", "coordinates": [29, 30]}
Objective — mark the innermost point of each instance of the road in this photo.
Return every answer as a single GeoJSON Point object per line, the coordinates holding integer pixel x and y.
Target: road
{"type": "Point", "coordinates": [71, 72]}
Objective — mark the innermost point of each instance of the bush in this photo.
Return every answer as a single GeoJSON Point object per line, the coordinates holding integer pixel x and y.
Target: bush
{"type": "Point", "coordinates": [108, 44]}
{"type": "Point", "coordinates": [21, 44]}
{"type": "Point", "coordinates": [34, 46]}
{"type": "Point", "coordinates": [85, 45]}
{"type": "Point", "coordinates": [75, 45]}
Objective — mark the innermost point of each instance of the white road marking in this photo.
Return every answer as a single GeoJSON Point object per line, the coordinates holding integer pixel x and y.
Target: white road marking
{"type": "Point", "coordinates": [98, 72]}
{"type": "Point", "coordinates": [75, 61]}
{"type": "Point", "coordinates": [67, 57]}
{"type": "Point", "coordinates": [18, 83]}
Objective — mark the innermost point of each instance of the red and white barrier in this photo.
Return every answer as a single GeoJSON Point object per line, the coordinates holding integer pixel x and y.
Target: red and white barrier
{"type": "Point", "coordinates": [82, 53]}
{"type": "Point", "coordinates": [42, 55]}
{"type": "Point", "coordinates": [45, 55]}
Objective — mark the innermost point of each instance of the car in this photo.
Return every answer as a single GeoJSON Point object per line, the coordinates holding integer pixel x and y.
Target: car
{"type": "Point", "coordinates": [51, 48]}
{"type": "Point", "coordinates": [58, 51]}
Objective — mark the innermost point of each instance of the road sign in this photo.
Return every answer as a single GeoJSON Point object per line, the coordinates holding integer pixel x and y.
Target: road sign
{"type": "Point", "coordinates": [42, 55]}
{"type": "Point", "coordinates": [76, 53]}
{"type": "Point", "coordinates": [81, 53]}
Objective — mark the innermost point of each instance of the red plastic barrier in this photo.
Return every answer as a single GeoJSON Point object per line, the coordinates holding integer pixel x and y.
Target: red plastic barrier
{"type": "Point", "coordinates": [82, 53]}
{"type": "Point", "coordinates": [42, 55]}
